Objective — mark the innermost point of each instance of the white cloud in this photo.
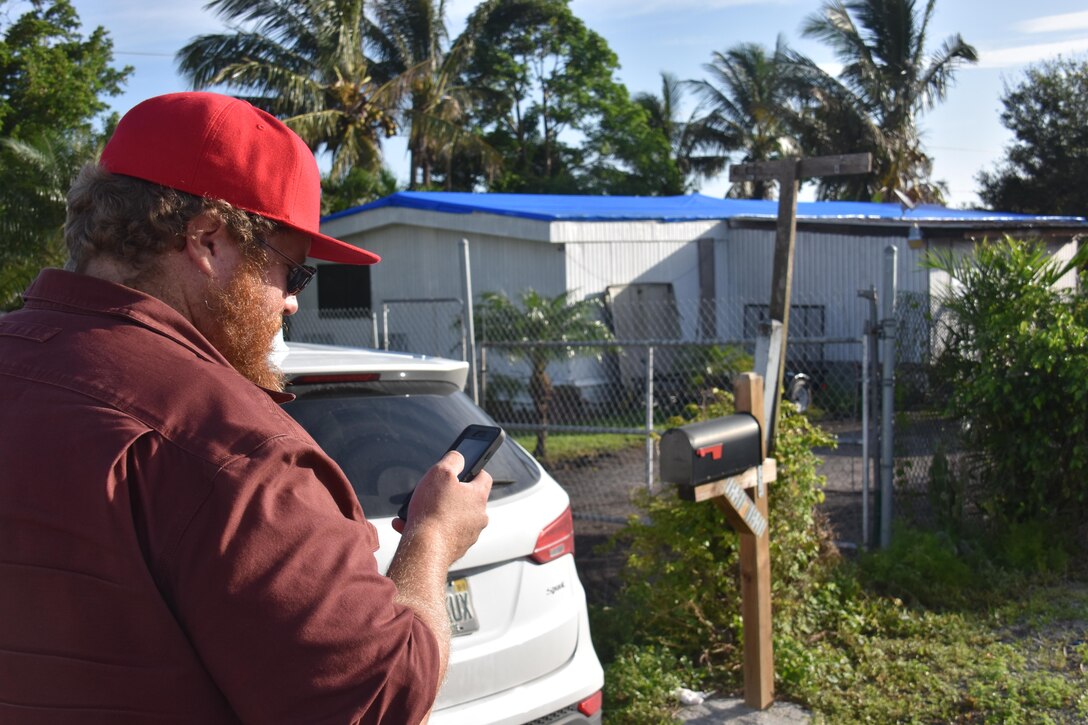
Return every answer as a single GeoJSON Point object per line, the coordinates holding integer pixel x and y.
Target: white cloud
{"type": "Point", "coordinates": [1026, 54]}
{"type": "Point", "coordinates": [1055, 23]}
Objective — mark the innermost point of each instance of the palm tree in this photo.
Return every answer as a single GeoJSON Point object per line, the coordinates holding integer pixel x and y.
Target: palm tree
{"type": "Point", "coordinates": [686, 138]}
{"type": "Point", "coordinates": [303, 61]}
{"type": "Point", "coordinates": [411, 38]}
{"type": "Point", "coordinates": [533, 319]}
{"type": "Point", "coordinates": [887, 80]}
{"type": "Point", "coordinates": [746, 102]}
{"type": "Point", "coordinates": [37, 174]}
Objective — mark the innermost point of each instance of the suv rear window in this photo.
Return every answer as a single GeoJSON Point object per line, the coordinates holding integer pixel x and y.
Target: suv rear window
{"type": "Point", "coordinates": [386, 435]}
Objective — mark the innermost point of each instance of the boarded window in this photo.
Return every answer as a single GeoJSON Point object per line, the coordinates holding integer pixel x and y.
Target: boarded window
{"type": "Point", "coordinates": [807, 322]}
{"type": "Point", "coordinates": [342, 289]}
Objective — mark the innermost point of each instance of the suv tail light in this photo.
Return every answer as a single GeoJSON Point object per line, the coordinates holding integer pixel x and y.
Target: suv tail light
{"type": "Point", "coordinates": [591, 705]}
{"type": "Point", "coordinates": [556, 539]}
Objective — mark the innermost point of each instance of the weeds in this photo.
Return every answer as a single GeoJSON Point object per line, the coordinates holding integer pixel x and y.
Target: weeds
{"type": "Point", "coordinates": [931, 630]}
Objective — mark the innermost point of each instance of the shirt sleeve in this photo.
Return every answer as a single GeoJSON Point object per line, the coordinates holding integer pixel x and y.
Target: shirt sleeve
{"type": "Point", "coordinates": [276, 584]}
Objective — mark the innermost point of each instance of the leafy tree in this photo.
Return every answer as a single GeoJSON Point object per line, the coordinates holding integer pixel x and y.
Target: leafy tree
{"type": "Point", "coordinates": [52, 84]}
{"type": "Point", "coordinates": [887, 80]}
{"type": "Point", "coordinates": [687, 139]}
{"type": "Point", "coordinates": [51, 77]}
{"type": "Point", "coordinates": [412, 41]}
{"type": "Point", "coordinates": [1014, 358]}
{"type": "Point", "coordinates": [536, 318]}
{"type": "Point", "coordinates": [747, 106]}
{"type": "Point", "coordinates": [553, 110]}
{"type": "Point", "coordinates": [358, 186]}
{"type": "Point", "coordinates": [1045, 169]}
{"type": "Point", "coordinates": [304, 61]}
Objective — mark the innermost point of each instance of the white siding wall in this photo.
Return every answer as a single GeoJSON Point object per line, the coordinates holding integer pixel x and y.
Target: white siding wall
{"type": "Point", "coordinates": [592, 268]}
{"type": "Point", "coordinates": [829, 269]}
{"type": "Point", "coordinates": [600, 255]}
{"type": "Point", "coordinates": [424, 263]}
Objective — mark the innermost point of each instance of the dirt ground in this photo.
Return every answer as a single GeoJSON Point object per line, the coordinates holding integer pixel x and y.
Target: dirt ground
{"type": "Point", "coordinates": [600, 492]}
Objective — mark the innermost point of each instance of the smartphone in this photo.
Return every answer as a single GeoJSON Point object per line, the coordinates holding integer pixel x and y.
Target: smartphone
{"type": "Point", "coordinates": [477, 443]}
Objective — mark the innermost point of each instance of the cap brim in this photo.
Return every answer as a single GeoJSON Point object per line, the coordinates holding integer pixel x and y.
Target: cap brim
{"type": "Point", "coordinates": [333, 250]}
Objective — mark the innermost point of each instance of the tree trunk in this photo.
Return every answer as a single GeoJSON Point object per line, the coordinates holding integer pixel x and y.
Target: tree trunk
{"type": "Point", "coordinates": [540, 390]}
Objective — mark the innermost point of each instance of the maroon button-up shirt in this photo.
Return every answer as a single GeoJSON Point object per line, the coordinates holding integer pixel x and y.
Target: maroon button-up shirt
{"type": "Point", "coordinates": [173, 546]}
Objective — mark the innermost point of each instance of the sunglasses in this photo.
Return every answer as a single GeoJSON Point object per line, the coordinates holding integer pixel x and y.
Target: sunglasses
{"type": "Point", "coordinates": [298, 275]}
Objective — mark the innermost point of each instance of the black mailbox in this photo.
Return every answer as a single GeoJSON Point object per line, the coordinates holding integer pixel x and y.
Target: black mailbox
{"type": "Point", "coordinates": [711, 450]}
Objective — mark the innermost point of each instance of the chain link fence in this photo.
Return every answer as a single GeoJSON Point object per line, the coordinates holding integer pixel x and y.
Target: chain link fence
{"type": "Point", "coordinates": [591, 410]}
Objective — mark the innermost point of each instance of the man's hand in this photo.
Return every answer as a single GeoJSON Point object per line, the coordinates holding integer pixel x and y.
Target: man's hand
{"type": "Point", "coordinates": [455, 510]}
{"type": "Point", "coordinates": [445, 518]}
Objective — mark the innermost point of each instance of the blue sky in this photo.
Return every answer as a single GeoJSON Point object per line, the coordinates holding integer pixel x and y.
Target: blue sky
{"type": "Point", "coordinates": [964, 135]}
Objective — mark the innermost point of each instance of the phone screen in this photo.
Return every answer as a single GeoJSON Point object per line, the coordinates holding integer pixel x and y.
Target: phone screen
{"type": "Point", "coordinates": [472, 449]}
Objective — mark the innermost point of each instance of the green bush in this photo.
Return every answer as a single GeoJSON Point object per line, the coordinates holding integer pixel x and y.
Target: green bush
{"type": "Point", "coordinates": [641, 682]}
{"type": "Point", "coordinates": [1029, 547]}
{"type": "Point", "coordinates": [1013, 354]}
{"type": "Point", "coordinates": [920, 568]}
{"type": "Point", "coordinates": [680, 586]}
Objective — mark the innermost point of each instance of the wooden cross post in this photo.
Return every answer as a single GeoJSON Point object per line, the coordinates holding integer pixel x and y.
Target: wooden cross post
{"type": "Point", "coordinates": [788, 173]}
{"type": "Point", "coordinates": [743, 500]}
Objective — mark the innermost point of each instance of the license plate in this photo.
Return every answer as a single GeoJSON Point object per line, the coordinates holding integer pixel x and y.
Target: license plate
{"type": "Point", "coordinates": [460, 609]}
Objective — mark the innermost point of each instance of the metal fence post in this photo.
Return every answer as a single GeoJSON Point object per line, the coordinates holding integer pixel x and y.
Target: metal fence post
{"type": "Point", "coordinates": [872, 355]}
{"type": "Point", "coordinates": [385, 326]}
{"type": "Point", "coordinates": [865, 434]}
{"type": "Point", "coordinates": [650, 418]}
{"type": "Point", "coordinates": [483, 372]}
{"type": "Point", "coordinates": [887, 463]}
{"type": "Point", "coordinates": [470, 353]}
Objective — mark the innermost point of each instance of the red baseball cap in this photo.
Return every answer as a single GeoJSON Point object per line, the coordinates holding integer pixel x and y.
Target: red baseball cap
{"type": "Point", "coordinates": [217, 146]}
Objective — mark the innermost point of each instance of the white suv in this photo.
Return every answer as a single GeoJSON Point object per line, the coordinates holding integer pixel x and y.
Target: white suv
{"type": "Point", "coordinates": [521, 648]}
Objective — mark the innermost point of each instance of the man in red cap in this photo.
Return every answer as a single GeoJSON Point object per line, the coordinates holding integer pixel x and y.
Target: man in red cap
{"type": "Point", "coordinates": [173, 546]}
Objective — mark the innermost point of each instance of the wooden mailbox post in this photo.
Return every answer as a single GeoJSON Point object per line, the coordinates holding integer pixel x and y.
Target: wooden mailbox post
{"type": "Point", "coordinates": [743, 500]}
{"type": "Point", "coordinates": [743, 496]}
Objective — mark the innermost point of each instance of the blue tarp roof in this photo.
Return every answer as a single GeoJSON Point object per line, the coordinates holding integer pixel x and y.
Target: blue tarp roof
{"type": "Point", "coordinates": [693, 207]}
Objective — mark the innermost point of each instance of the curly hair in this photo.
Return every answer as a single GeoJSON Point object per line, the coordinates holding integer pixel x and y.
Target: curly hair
{"type": "Point", "coordinates": [137, 221]}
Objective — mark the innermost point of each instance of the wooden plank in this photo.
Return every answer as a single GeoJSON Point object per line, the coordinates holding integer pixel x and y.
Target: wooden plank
{"type": "Point", "coordinates": [748, 398]}
{"type": "Point", "coordinates": [741, 511]}
{"type": "Point", "coordinates": [785, 241]}
{"type": "Point", "coordinates": [755, 588]}
{"type": "Point", "coordinates": [762, 170]}
{"type": "Point", "coordinates": [755, 569]}
{"type": "Point", "coordinates": [837, 165]}
{"type": "Point", "coordinates": [746, 480]}
{"type": "Point", "coordinates": [807, 168]}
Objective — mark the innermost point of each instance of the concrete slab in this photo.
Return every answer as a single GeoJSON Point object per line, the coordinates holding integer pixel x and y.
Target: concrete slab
{"type": "Point", "coordinates": [733, 710]}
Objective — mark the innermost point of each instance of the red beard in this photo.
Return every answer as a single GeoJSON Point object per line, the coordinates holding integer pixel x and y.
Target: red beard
{"type": "Point", "coordinates": [246, 329]}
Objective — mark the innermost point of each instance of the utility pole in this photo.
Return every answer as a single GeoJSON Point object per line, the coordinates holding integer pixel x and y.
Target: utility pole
{"type": "Point", "coordinates": [789, 173]}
